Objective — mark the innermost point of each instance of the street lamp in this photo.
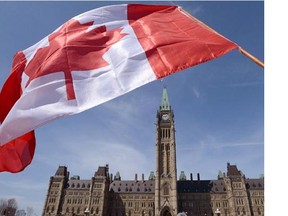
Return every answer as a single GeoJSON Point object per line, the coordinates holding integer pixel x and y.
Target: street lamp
{"type": "Point", "coordinates": [86, 212]}
{"type": "Point", "coordinates": [218, 212]}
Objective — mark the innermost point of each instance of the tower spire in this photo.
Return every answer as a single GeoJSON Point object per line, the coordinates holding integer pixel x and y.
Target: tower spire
{"type": "Point", "coordinates": [165, 105]}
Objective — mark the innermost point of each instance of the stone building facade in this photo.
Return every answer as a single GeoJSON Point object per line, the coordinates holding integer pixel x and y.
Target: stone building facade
{"type": "Point", "coordinates": [162, 194]}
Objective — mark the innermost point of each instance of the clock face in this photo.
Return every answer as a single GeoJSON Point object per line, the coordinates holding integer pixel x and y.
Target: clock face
{"type": "Point", "coordinates": [165, 116]}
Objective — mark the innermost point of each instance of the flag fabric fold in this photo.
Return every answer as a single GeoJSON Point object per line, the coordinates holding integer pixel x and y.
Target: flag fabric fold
{"type": "Point", "coordinates": [93, 58]}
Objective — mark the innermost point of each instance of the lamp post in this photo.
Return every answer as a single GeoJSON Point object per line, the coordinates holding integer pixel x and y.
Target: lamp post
{"type": "Point", "coordinates": [218, 212]}
{"type": "Point", "coordinates": [86, 212]}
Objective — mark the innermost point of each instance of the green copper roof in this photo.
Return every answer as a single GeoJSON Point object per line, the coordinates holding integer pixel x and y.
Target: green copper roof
{"type": "Point", "coordinates": [165, 105]}
{"type": "Point", "coordinates": [182, 176]}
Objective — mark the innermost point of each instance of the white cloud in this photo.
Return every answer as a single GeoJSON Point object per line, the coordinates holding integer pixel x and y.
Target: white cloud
{"type": "Point", "coordinates": [225, 145]}
{"type": "Point", "coordinates": [197, 10]}
{"type": "Point", "coordinates": [24, 185]}
{"type": "Point", "coordinates": [196, 92]}
{"type": "Point", "coordinates": [246, 84]}
{"type": "Point", "coordinates": [120, 157]}
{"type": "Point", "coordinates": [83, 155]}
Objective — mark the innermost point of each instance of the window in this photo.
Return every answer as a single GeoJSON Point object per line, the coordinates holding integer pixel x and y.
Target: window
{"type": "Point", "coordinates": [166, 190]}
{"type": "Point", "coordinates": [238, 211]}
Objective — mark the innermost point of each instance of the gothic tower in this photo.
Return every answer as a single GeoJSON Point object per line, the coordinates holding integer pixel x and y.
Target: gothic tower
{"type": "Point", "coordinates": [166, 173]}
{"type": "Point", "coordinates": [54, 200]}
{"type": "Point", "coordinates": [237, 194]}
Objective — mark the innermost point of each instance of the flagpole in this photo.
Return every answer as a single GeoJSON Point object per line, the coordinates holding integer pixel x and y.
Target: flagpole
{"type": "Point", "coordinates": [253, 58]}
{"type": "Point", "coordinates": [241, 50]}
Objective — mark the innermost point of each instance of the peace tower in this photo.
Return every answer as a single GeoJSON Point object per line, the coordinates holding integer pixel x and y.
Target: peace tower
{"type": "Point", "coordinates": [166, 172]}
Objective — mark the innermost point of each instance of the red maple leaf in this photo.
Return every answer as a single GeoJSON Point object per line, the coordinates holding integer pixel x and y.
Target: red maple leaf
{"type": "Point", "coordinates": [73, 48]}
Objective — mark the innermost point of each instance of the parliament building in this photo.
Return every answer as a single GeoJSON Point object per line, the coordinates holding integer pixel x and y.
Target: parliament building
{"type": "Point", "coordinates": [162, 193]}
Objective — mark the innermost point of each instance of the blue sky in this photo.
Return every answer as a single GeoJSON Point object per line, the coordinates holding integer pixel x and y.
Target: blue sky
{"type": "Point", "coordinates": [218, 106]}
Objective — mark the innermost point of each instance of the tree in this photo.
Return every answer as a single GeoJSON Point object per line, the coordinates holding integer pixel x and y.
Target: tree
{"type": "Point", "coordinates": [3, 206]}
{"type": "Point", "coordinates": [8, 207]}
{"type": "Point", "coordinates": [12, 203]}
{"type": "Point", "coordinates": [30, 211]}
{"type": "Point", "coordinates": [20, 212]}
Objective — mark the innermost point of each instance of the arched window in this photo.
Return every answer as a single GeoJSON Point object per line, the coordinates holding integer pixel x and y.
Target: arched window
{"type": "Point", "coordinates": [166, 190]}
{"type": "Point", "coordinates": [238, 211]}
{"type": "Point", "coordinates": [67, 210]}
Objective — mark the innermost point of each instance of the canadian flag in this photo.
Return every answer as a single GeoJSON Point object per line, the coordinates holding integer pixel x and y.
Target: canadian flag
{"type": "Point", "coordinates": [92, 58]}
